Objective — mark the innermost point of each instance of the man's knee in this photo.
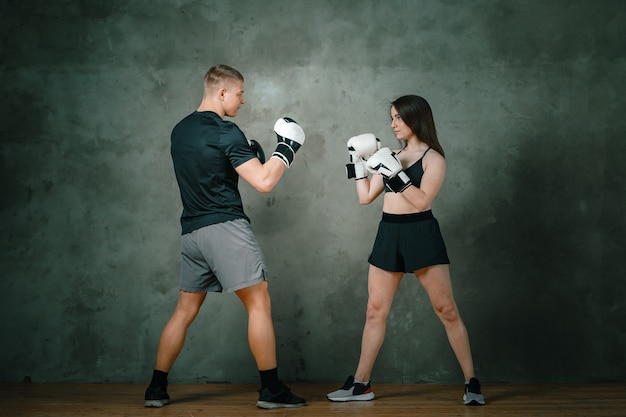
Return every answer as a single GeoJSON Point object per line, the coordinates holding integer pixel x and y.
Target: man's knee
{"type": "Point", "coordinates": [189, 305]}
{"type": "Point", "coordinates": [256, 298]}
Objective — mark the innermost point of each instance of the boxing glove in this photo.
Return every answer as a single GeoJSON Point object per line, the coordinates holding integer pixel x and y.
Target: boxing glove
{"type": "Point", "coordinates": [290, 137]}
{"type": "Point", "coordinates": [360, 148]}
{"type": "Point", "coordinates": [257, 149]}
{"type": "Point", "coordinates": [384, 162]}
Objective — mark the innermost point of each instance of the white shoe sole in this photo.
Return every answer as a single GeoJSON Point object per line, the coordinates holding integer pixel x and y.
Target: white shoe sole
{"type": "Point", "coordinates": [272, 406]}
{"type": "Point", "coordinates": [363, 397]}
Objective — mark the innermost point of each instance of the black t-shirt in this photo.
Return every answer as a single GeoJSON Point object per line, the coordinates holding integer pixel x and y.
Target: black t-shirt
{"type": "Point", "coordinates": [206, 150]}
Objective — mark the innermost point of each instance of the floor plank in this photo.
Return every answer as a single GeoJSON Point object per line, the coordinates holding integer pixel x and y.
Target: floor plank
{"type": "Point", "coordinates": [397, 400]}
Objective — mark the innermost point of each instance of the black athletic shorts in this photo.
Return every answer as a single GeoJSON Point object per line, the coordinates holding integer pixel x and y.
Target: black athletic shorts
{"type": "Point", "coordinates": [408, 242]}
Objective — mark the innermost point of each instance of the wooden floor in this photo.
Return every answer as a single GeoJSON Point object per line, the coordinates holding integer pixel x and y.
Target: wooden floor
{"type": "Point", "coordinates": [224, 400]}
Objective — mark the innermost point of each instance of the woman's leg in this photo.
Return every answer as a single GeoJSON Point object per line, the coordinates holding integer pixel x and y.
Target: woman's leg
{"type": "Point", "coordinates": [382, 286]}
{"type": "Point", "coordinates": [436, 281]}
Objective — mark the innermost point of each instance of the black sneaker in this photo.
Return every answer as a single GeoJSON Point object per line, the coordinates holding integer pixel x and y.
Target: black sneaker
{"type": "Point", "coordinates": [352, 391]}
{"type": "Point", "coordinates": [283, 398]}
{"type": "Point", "coordinates": [472, 394]}
{"type": "Point", "coordinates": [156, 397]}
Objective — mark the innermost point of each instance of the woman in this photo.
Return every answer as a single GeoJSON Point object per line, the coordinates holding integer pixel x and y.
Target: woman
{"type": "Point", "coordinates": [408, 239]}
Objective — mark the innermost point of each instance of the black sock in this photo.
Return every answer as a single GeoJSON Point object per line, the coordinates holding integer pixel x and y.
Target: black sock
{"type": "Point", "coordinates": [159, 379]}
{"type": "Point", "coordinates": [269, 379]}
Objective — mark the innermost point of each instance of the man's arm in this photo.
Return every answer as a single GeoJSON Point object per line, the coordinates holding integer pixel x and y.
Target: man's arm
{"type": "Point", "coordinates": [262, 177]}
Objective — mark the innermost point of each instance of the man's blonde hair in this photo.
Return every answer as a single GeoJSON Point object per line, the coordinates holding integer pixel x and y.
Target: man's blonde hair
{"type": "Point", "coordinates": [220, 73]}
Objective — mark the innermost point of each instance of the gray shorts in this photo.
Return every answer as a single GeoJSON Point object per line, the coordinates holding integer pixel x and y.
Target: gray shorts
{"type": "Point", "coordinates": [221, 257]}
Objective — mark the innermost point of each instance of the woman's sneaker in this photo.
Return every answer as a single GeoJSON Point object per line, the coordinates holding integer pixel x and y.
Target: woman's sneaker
{"type": "Point", "coordinates": [156, 397]}
{"type": "Point", "coordinates": [283, 398]}
{"type": "Point", "coordinates": [472, 395]}
{"type": "Point", "coordinates": [352, 391]}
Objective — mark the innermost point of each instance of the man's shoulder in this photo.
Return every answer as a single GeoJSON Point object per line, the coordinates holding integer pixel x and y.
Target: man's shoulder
{"type": "Point", "coordinates": [201, 117]}
{"type": "Point", "coordinates": [226, 126]}
{"type": "Point", "coordinates": [230, 131]}
{"type": "Point", "coordinates": [207, 119]}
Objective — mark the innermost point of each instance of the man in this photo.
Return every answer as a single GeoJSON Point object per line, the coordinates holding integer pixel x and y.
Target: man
{"type": "Point", "coordinates": [219, 250]}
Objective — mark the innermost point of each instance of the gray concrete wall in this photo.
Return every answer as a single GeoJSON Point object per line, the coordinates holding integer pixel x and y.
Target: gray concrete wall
{"type": "Point", "coordinates": [528, 98]}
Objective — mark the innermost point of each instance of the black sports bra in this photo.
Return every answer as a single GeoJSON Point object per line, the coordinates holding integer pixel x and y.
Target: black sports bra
{"type": "Point", "coordinates": [414, 172]}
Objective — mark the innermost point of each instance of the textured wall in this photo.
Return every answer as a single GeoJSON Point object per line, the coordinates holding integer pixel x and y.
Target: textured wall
{"type": "Point", "coordinates": [529, 102]}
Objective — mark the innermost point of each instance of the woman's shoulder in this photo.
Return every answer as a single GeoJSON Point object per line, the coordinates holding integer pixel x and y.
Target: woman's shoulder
{"type": "Point", "coordinates": [433, 158]}
{"type": "Point", "coordinates": [433, 154]}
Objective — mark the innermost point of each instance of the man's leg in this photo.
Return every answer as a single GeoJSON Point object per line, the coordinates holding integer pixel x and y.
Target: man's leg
{"type": "Point", "coordinates": [273, 393]}
{"type": "Point", "coordinates": [173, 335]}
{"type": "Point", "coordinates": [261, 337]}
{"type": "Point", "coordinates": [170, 344]}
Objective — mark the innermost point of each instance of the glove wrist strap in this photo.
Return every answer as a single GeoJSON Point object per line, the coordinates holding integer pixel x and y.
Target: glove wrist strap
{"type": "Point", "coordinates": [285, 153]}
{"type": "Point", "coordinates": [356, 171]}
{"type": "Point", "coordinates": [398, 182]}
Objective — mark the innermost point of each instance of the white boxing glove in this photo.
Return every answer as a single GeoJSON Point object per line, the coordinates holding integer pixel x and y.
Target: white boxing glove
{"type": "Point", "coordinates": [360, 148]}
{"type": "Point", "coordinates": [290, 137]}
{"type": "Point", "coordinates": [384, 162]}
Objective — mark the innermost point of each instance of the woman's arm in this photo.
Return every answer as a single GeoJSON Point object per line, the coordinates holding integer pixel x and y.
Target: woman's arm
{"type": "Point", "coordinates": [434, 173]}
{"type": "Point", "coordinates": [368, 190]}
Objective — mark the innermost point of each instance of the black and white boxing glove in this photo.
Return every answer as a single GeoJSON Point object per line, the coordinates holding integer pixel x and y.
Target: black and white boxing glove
{"type": "Point", "coordinates": [257, 149]}
{"type": "Point", "coordinates": [360, 148]}
{"type": "Point", "coordinates": [386, 163]}
{"type": "Point", "coordinates": [290, 137]}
